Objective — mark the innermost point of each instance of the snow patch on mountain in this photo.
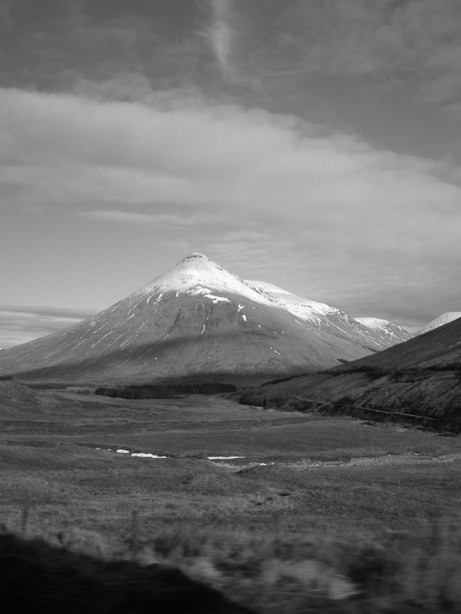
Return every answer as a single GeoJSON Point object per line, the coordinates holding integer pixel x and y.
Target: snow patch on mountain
{"type": "Point", "coordinates": [206, 292]}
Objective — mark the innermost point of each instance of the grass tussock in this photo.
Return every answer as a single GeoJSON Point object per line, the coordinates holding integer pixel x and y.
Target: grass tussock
{"type": "Point", "coordinates": [417, 572]}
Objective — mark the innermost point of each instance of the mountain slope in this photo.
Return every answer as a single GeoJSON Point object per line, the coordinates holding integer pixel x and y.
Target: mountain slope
{"type": "Point", "coordinates": [421, 376]}
{"type": "Point", "coordinates": [195, 321]}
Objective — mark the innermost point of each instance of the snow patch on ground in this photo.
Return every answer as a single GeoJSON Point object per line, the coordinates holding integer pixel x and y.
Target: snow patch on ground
{"type": "Point", "coordinates": [146, 455]}
{"type": "Point", "coordinates": [223, 457]}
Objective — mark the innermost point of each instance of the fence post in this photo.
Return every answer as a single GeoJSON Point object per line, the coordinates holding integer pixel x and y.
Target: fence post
{"type": "Point", "coordinates": [25, 519]}
{"type": "Point", "coordinates": [134, 541]}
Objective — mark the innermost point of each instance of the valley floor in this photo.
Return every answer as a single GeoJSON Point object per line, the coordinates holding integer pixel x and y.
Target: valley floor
{"type": "Point", "coordinates": [285, 527]}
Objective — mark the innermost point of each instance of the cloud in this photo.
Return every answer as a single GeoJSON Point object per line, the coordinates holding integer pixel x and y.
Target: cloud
{"type": "Point", "coordinates": [409, 48]}
{"type": "Point", "coordinates": [241, 249]}
{"type": "Point", "coordinates": [22, 324]}
{"type": "Point", "coordinates": [221, 34]}
{"type": "Point", "coordinates": [139, 219]}
{"type": "Point", "coordinates": [67, 44]}
{"type": "Point", "coordinates": [5, 15]}
{"type": "Point", "coordinates": [332, 197]}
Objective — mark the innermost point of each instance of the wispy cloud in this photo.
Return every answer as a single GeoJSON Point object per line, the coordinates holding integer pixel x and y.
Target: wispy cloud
{"type": "Point", "coordinates": [221, 34]}
{"type": "Point", "coordinates": [139, 219]}
{"type": "Point", "coordinates": [407, 48]}
{"type": "Point", "coordinates": [255, 253]}
{"type": "Point", "coordinates": [22, 324]}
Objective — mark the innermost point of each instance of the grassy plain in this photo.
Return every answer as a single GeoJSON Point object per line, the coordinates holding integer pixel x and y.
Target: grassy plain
{"type": "Point", "coordinates": [343, 516]}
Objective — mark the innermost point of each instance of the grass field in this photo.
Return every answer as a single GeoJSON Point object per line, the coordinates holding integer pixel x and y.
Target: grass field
{"type": "Point", "coordinates": [335, 510]}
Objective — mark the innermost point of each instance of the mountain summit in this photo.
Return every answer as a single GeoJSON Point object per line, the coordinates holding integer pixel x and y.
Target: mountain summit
{"type": "Point", "coordinates": [197, 275]}
{"type": "Point", "coordinates": [199, 322]}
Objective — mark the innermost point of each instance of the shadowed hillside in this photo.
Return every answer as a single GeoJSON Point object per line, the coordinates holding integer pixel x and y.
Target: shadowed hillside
{"type": "Point", "coordinates": [420, 378]}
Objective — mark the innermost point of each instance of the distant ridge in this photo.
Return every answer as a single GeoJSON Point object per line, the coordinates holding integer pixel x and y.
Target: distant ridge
{"type": "Point", "coordinates": [198, 321]}
{"type": "Point", "coordinates": [445, 318]}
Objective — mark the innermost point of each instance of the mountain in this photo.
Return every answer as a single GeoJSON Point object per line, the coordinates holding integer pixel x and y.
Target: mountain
{"type": "Point", "coordinates": [421, 376]}
{"type": "Point", "coordinates": [196, 321]}
{"type": "Point", "coordinates": [445, 318]}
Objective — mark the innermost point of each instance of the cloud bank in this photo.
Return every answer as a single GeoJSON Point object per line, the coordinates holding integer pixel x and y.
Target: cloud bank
{"type": "Point", "coordinates": [200, 154]}
{"type": "Point", "coordinates": [174, 161]}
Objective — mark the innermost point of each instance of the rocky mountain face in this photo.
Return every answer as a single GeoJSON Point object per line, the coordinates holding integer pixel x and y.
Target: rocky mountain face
{"type": "Point", "coordinates": [199, 321]}
{"type": "Point", "coordinates": [421, 377]}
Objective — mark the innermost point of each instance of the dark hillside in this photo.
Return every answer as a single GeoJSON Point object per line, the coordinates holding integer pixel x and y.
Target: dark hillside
{"type": "Point", "coordinates": [421, 377]}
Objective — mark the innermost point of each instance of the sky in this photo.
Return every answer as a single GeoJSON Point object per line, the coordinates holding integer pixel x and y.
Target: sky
{"type": "Point", "coordinates": [313, 144]}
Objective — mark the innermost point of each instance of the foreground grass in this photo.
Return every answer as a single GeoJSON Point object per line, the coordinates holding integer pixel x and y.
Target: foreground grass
{"type": "Point", "coordinates": [282, 539]}
{"type": "Point", "coordinates": [413, 572]}
{"type": "Point", "coordinates": [418, 572]}
{"type": "Point", "coordinates": [380, 536]}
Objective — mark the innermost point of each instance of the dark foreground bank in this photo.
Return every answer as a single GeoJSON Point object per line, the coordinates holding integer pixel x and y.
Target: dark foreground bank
{"type": "Point", "coordinates": [38, 577]}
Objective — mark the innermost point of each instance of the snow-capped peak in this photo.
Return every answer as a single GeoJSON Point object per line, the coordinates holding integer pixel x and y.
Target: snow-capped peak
{"type": "Point", "coordinates": [196, 275]}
